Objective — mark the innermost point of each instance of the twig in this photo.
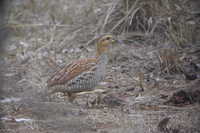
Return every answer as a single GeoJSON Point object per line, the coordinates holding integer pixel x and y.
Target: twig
{"type": "Point", "coordinates": [125, 17]}
{"type": "Point", "coordinates": [110, 11]}
{"type": "Point", "coordinates": [36, 25]}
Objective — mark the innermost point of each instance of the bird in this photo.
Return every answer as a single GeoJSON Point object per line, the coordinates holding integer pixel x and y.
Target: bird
{"type": "Point", "coordinates": [82, 75]}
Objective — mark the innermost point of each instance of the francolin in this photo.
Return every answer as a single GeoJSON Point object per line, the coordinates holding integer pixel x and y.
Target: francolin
{"type": "Point", "coordinates": [82, 75]}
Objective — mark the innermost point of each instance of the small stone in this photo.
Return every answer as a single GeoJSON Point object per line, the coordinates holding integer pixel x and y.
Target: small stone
{"type": "Point", "coordinates": [162, 126]}
{"type": "Point", "coordinates": [12, 47]}
{"type": "Point", "coordinates": [65, 51]}
{"type": "Point", "coordinates": [113, 101]}
{"type": "Point", "coordinates": [184, 98]}
{"type": "Point", "coordinates": [77, 50]}
{"type": "Point", "coordinates": [59, 61]}
{"type": "Point", "coordinates": [191, 76]}
{"type": "Point", "coordinates": [130, 89]}
{"type": "Point", "coordinates": [81, 47]}
{"type": "Point", "coordinates": [24, 44]}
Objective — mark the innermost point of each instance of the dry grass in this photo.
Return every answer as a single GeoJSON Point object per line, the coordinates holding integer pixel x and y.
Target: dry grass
{"type": "Point", "coordinates": [49, 34]}
{"type": "Point", "coordinates": [169, 61]}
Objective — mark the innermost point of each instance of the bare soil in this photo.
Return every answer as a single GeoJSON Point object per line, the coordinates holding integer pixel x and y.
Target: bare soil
{"type": "Point", "coordinates": [153, 79]}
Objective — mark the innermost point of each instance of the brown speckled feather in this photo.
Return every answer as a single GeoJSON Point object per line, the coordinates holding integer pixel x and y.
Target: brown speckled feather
{"type": "Point", "coordinates": [82, 75]}
{"type": "Point", "coordinates": [70, 71]}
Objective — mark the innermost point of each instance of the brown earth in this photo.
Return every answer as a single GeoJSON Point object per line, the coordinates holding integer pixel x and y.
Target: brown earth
{"type": "Point", "coordinates": [153, 79]}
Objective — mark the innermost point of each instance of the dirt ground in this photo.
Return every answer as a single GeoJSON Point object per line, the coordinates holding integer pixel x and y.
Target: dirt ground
{"type": "Point", "coordinates": [153, 76]}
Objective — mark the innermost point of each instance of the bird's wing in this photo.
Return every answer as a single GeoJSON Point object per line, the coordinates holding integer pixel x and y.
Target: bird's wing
{"type": "Point", "coordinates": [70, 71]}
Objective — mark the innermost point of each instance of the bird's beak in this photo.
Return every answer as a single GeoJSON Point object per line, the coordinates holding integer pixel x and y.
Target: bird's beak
{"type": "Point", "coordinates": [113, 41]}
{"type": "Point", "coordinates": [116, 40]}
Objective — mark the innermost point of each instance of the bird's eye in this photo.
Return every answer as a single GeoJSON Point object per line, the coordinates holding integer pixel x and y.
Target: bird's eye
{"type": "Point", "coordinates": [107, 38]}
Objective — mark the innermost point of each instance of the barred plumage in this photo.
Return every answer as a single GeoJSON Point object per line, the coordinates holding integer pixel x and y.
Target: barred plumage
{"type": "Point", "coordinates": [82, 75]}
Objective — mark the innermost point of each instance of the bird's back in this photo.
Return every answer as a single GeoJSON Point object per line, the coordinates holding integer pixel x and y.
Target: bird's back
{"type": "Point", "coordinates": [79, 76]}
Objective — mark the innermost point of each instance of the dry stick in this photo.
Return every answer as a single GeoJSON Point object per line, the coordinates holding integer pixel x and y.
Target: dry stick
{"type": "Point", "coordinates": [125, 17]}
{"type": "Point", "coordinates": [133, 14]}
{"type": "Point", "coordinates": [52, 35]}
{"type": "Point", "coordinates": [36, 25]}
{"type": "Point", "coordinates": [91, 40]}
{"type": "Point", "coordinates": [110, 11]}
{"type": "Point", "coordinates": [154, 27]}
{"type": "Point", "coordinates": [75, 31]}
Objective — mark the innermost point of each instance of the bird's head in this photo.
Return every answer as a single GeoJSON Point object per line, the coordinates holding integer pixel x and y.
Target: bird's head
{"type": "Point", "coordinates": [104, 43]}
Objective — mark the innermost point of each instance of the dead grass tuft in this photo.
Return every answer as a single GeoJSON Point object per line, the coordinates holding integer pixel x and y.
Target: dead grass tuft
{"type": "Point", "coordinates": [169, 61]}
{"type": "Point", "coordinates": [181, 33]}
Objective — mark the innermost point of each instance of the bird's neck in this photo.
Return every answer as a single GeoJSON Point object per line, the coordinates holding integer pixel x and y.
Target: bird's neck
{"type": "Point", "coordinates": [101, 50]}
{"type": "Point", "coordinates": [103, 59]}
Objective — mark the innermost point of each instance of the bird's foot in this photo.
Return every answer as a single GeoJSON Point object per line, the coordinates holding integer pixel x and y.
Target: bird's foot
{"type": "Point", "coordinates": [97, 102]}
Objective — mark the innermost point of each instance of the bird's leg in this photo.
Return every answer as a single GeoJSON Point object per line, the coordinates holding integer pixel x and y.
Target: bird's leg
{"type": "Point", "coordinates": [87, 102]}
{"type": "Point", "coordinates": [71, 96]}
{"type": "Point", "coordinates": [99, 99]}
